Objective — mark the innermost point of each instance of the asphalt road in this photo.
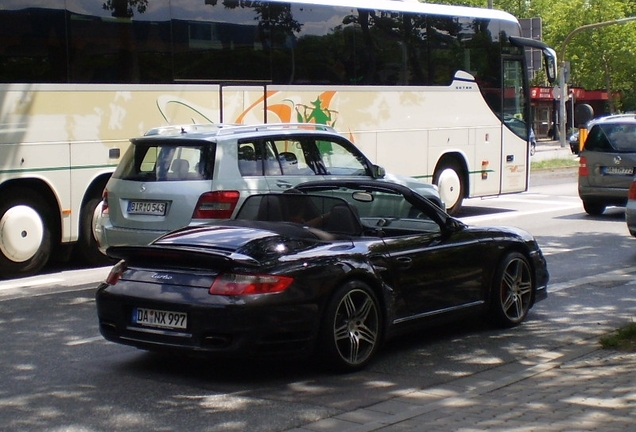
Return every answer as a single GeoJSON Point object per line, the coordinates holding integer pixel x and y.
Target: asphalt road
{"type": "Point", "coordinates": [58, 374]}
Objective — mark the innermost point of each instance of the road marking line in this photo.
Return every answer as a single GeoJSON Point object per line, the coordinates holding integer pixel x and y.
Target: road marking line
{"type": "Point", "coordinates": [84, 341]}
{"type": "Point", "coordinates": [552, 250]}
{"type": "Point", "coordinates": [90, 275]}
{"type": "Point", "coordinates": [9, 285]}
{"type": "Point", "coordinates": [544, 201]}
{"type": "Point", "coordinates": [515, 213]}
{"type": "Point", "coordinates": [626, 274]}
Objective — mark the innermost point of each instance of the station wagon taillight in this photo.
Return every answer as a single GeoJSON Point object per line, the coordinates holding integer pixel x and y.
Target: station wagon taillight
{"type": "Point", "coordinates": [583, 171]}
{"type": "Point", "coordinates": [104, 203]}
{"type": "Point", "coordinates": [216, 205]}
{"type": "Point", "coordinates": [632, 191]}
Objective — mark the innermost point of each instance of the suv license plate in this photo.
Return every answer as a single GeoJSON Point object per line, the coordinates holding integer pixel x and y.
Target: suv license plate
{"type": "Point", "coordinates": [147, 208]}
{"type": "Point", "coordinates": [160, 318]}
{"type": "Point", "coordinates": [610, 170]}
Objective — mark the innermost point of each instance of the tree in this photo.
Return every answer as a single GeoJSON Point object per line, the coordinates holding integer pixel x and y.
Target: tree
{"type": "Point", "coordinates": [124, 8]}
{"type": "Point", "coordinates": [600, 58]}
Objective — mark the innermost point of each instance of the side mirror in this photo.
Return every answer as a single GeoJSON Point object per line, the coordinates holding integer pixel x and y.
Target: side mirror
{"type": "Point", "coordinates": [378, 171]}
{"type": "Point", "coordinates": [454, 225]}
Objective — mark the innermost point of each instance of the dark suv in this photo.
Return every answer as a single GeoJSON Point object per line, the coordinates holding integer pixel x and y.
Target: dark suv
{"type": "Point", "coordinates": [606, 164]}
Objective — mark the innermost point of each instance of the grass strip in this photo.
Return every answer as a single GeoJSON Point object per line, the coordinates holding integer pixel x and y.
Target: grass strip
{"type": "Point", "coordinates": [622, 339]}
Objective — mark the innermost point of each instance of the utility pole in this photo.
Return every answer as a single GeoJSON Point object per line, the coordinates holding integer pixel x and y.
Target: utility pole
{"type": "Point", "coordinates": [562, 84]}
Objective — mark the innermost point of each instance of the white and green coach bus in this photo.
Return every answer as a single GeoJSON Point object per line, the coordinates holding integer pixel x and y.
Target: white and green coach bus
{"type": "Point", "coordinates": [436, 92]}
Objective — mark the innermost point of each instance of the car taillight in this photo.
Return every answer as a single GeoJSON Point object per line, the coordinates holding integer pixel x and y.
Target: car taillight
{"type": "Point", "coordinates": [116, 272]}
{"type": "Point", "coordinates": [632, 191]}
{"type": "Point", "coordinates": [583, 171]}
{"type": "Point", "coordinates": [241, 284]}
{"type": "Point", "coordinates": [216, 205]}
{"type": "Point", "coordinates": [104, 203]}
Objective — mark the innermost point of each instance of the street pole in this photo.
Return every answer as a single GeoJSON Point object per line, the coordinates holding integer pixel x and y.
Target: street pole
{"type": "Point", "coordinates": [562, 92]}
{"type": "Point", "coordinates": [562, 85]}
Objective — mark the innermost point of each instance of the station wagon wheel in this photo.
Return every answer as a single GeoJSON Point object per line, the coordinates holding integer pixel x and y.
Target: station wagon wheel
{"type": "Point", "coordinates": [86, 249]}
{"type": "Point", "coordinates": [351, 330]}
{"type": "Point", "coordinates": [511, 290]}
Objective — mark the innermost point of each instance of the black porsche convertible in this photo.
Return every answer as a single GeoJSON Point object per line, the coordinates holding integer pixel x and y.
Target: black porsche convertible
{"type": "Point", "coordinates": [329, 269]}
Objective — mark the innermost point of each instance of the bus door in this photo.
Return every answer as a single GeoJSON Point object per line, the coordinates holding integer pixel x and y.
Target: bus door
{"type": "Point", "coordinates": [515, 127]}
{"type": "Point", "coordinates": [243, 102]}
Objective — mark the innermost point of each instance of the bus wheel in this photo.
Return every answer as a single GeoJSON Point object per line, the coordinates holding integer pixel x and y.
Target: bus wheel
{"type": "Point", "coordinates": [25, 237]}
{"type": "Point", "coordinates": [451, 186]}
{"type": "Point", "coordinates": [86, 249]}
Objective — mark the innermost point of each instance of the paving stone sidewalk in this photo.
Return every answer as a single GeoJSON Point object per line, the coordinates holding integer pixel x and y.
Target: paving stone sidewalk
{"type": "Point", "coordinates": [579, 388]}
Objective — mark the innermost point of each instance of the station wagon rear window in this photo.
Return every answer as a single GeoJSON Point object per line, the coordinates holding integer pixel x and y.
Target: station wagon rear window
{"type": "Point", "coordinates": [164, 161]}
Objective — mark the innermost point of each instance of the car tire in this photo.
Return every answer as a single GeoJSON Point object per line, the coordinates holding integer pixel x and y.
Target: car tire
{"type": "Point", "coordinates": [594, 208]}
{"type": "Point", "coordinates": [25, 233]}
{"type": "Point", "coordinates": [86, 249]}
{"type": "Point", "coordinates": [449, 180]}
{"type": "Point", "coordinates": [511, 293]}
{"type": "Point", "coordinates": [351, 330]}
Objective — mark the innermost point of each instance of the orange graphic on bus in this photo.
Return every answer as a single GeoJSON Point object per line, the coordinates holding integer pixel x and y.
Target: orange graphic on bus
{"type": "Point", "coordinates": [317, 112]}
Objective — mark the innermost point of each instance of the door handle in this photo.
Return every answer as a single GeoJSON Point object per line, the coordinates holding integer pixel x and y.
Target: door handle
{"type": "Point", "coordinates": [283, 184]}
{"type": "Point", "coordinates": [404, 262]}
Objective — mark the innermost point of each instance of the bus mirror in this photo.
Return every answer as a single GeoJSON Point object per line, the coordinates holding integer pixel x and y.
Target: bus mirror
{"type": "Point", "coordinates": [549, 57]}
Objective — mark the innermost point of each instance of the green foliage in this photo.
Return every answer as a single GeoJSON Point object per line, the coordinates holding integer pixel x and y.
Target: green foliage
{"type": "Point", "coordinates": [600, 58]}
{"type": "Point", "coordinates": [549, 164]}
{"type": "Point", "coordinates": [125, 8]}
{"type": "Point", "coordinates": [623, 339]}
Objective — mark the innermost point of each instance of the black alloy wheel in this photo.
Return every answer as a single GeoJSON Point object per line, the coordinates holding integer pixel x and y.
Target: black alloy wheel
{"type": "Point", "coordinates": [351, 330]}
{"type": "Point", "coordinates": [512, 290]}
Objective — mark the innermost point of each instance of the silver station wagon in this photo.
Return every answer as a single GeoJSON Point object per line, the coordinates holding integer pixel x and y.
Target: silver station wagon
{"type": "Point", "coordinates": [176, 176]}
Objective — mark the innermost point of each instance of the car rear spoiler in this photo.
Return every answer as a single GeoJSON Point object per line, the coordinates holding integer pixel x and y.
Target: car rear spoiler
{"type": "Point", "coordinates": [179, 255]}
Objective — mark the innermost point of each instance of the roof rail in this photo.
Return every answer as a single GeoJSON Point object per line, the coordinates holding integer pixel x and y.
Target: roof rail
{"type": "Point", "coordinates": [235, 129]}
{"type": "Point", "coordinates": [186, 128]}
